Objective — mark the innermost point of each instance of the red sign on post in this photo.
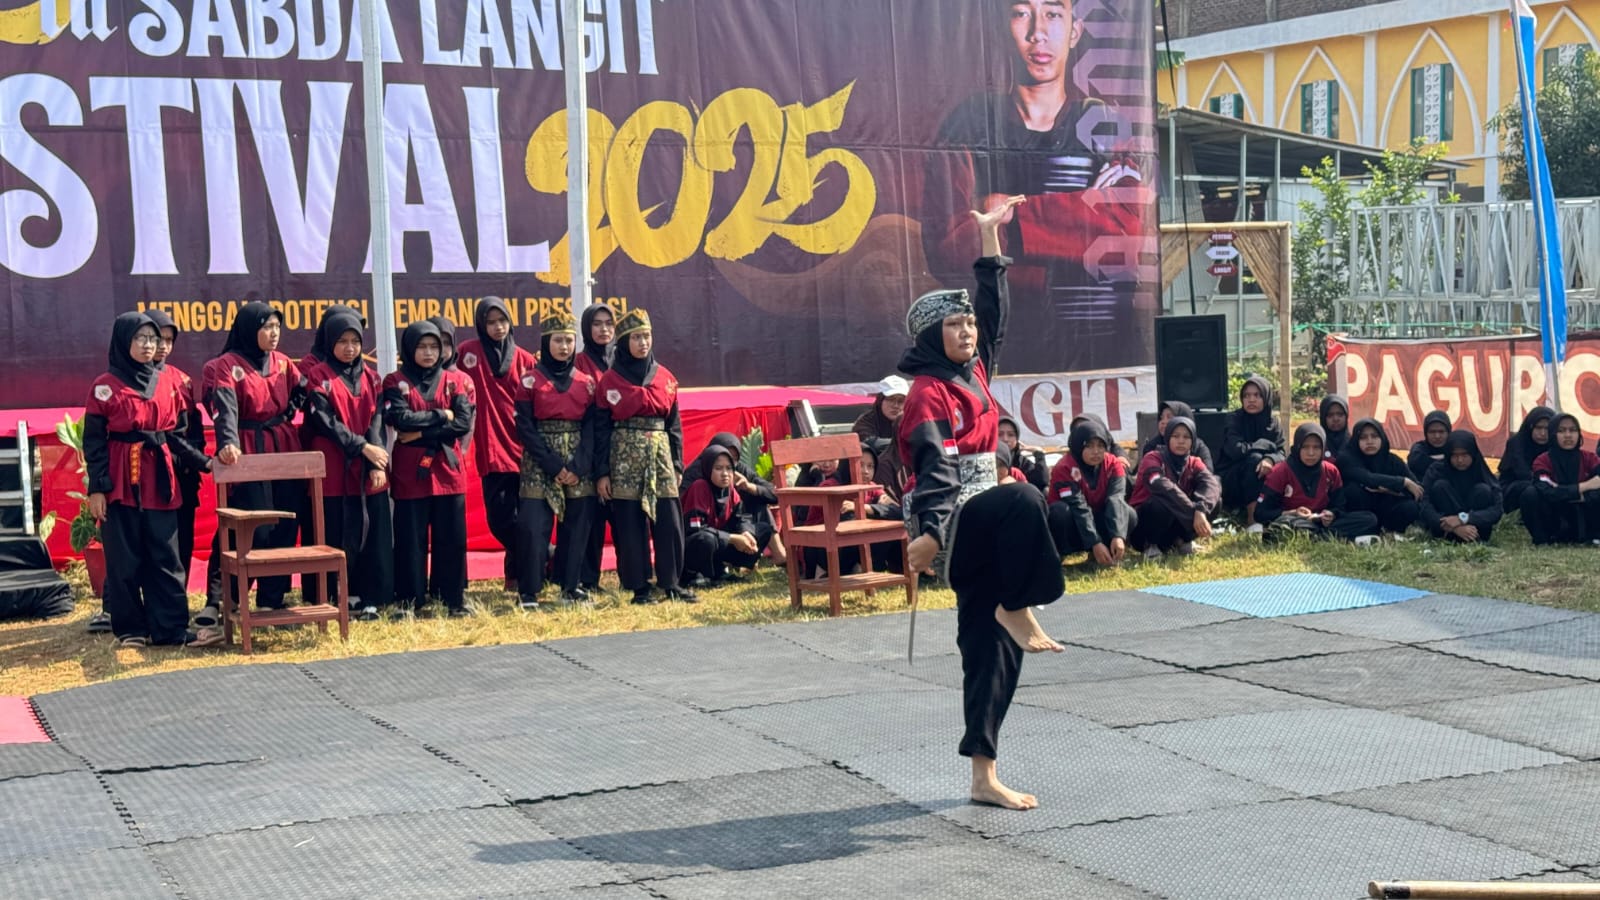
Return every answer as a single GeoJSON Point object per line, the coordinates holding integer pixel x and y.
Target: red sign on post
{"type": "Point", "coordinates": [1222, 237]}
{"type": "Point", "coordinates": [1221, 269]}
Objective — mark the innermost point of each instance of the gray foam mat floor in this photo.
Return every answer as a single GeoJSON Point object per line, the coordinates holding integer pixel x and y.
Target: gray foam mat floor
{"type": "Point", "coordinates": [1178, 750]}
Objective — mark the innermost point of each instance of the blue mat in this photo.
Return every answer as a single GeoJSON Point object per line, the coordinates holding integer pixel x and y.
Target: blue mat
{"type": "Point", "coordinates": [1267, 596]}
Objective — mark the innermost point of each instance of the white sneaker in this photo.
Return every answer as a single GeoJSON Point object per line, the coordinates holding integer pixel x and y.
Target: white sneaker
{"type": "Point", "coordinates": [1184, 548]}
{"type": "Point", "coordinates": [1257, 528]}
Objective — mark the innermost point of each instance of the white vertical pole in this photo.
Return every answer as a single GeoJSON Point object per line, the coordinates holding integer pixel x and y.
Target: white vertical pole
{"type": "Point", "coordinates": [377, 187]}
{"type": "Point", "coordinates": [577, 157]}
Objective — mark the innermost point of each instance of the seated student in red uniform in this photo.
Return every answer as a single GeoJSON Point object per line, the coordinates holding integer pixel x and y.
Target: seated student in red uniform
{"type": "Point", "coordinates": [638, 461]}
{"type": "Point", "coordinates": [496, 365]}
{"type": "Point", "coordinates": [599, 328]}
{"type": "Point", "coordinates": [431, 409]}
{"type": "Point", "coordinates": [1027, 460]}
{"type": "Point", "coordinates": [556, 419]}
{"type": "Point", "coordinates": [1563, 505]}
{"type": "Point", "coordinates": [1171, 409]}
{"type": "Point", "coordinates": [1378, 481]}
{"type": "Point", "coordinates": [718, 535]}
{"type": "Point", "coordinates": [1424, 453]}
{"type": "Point", "coordinates": [1461, 498]}
{"type": "Point", "coordinates": [253, 392]}
{"type": "Point", "coordinates": [1305, 494]}
{"type": "Point", "coordinates": [345, 422]}
{"type": "Point", "coordinates": [757, 496]}
{"type": "Point", "coordinates": [1089, 512]}
{"type": "Point", "coordinates": [131, 431]}
{"type": "Point", "coordinates": [1174, 494]}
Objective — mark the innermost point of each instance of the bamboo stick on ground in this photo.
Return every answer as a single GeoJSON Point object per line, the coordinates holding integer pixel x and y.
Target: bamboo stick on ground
{"type": "Point", "coordinates": [1483, 890]}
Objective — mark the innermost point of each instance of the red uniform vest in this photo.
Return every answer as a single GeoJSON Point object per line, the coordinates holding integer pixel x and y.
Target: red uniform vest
{"type": "Point", "coordinates": [134, 481]}
{"type": "Point", "coordinates": [494, 425]}
{"type": "Point", "coordinates": [626, 400]}
{"type": "Point", "coordinates": [407, 459]}
{"type": "Point", "coordinates": [1281, 482]}
{"type": "Point", "coordinates": [552, 404]}
{"type": "Point", "coordinates": [262, 400]}
{"type": "Point", "coordinates": [347, 477]}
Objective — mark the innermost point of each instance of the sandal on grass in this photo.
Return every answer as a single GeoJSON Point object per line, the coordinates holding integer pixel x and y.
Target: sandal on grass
{"type": "Point", "coordinates": [204, 637]}
{"type": "Point", "coordinates": [133, 641]}
{"type": "Point", "coordinates": [100, 623]}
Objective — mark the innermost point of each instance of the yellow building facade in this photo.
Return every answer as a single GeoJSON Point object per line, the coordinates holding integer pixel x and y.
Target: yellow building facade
{"type": "Point", "coordinates": [1381, 74]}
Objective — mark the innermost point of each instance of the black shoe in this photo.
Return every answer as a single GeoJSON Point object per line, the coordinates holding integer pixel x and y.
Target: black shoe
{"type": "Point", "coordinates": [367, 614]}
{"type": "Point", "coordinates": [644, 597]}
{"type": "Point", "coordinates": [529, 603]}
{"type": "Point", "coordinates": [682, 595]}
{"type": "Point", "coordinates": [731, 576]}
{"type": "Point", "coordinates": [576, 596]}
{"type": "Point", "coordinates": [462, 612]}
{"type": "Point", "coordinates": [699, 582]}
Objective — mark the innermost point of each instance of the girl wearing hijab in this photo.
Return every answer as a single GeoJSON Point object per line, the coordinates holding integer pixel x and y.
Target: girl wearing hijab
{"type": "Point", "coordinates": [253, 392]}
{"type": "Point", "coordinates": [556, 420]}
{"type": "Point", "coordinates": [1334, 414]}
{"type": "Point", "coordinates": [431, 409]}
{"type": "Point", "coordinates": [1305, 494]}
{"type": "Point", "coordinates": [719, 534]}
{"type": "Point", "coordinates": [1461, 499]}
{"type": "Point", "coordinates": [1028, 461]}
{"type": "Point", "coordinates": [1516, 464]}
{"type": "Point", "coordinates": [599, 327]}
{"type": "Point", "coordinates": [496, 366]}
{"type": "Point", "coordinates": [131, 431]}
{"type": "Point", "coordinates": [1563, 504]}
{"type": "Point", "coordinates": [1089, 511]}
{"type": "Point", "coordinates": [1424, 453]}
{"type": "Point", "coordinates": [447, 337]}
{"type": "Point", "coordinates": [192, 429]}
{"type": "Point", "coordinates": [878, 423]}
{"type": "Point", "coordinates": [992, 542]}
{"type": "Point", "coordinates": [345, 422]}
{"type": "Point", "coordinates": [1079, 419]}
{"type": "Point", "coordinates": [832, 473]}
{"type": "Point", "coordinates": [757, 496]}
{"type": "Point", "coordinates": [1174, 494]}
{"type": "Point", "coordinates": [1171, 409]}
{"type": "Point", "coordinates": [1378, 481]}
{"type": "Point", "coordinates": [1252, 445]}
{"type": "Point", "coordinates": [638, 462]}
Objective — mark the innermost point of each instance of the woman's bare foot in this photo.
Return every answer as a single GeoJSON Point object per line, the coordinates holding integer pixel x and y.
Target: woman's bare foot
{"type": "Point", "coordinates": [986, 788]}
{"type": "Point", "coordinates": [1025, 630]}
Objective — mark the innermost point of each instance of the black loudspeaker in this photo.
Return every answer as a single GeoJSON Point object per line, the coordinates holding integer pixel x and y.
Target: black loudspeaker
{"type": "Point", "coordinates": [1192, 360]}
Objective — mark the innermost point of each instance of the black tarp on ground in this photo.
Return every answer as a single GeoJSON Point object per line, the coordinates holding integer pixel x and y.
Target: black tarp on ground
{"type": "Point", "coordinates": [29, 586]}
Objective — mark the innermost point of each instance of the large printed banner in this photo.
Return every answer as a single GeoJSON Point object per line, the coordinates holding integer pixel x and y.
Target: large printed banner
{"type": "Point", "coordinates": [1043, 405]}
{"type": "Point", "coordinates": [774, 179]}
{"type": "Point", "coordinates": [1485, 385]}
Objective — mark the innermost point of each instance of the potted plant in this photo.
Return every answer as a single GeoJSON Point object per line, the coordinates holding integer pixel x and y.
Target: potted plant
{"type": "Point", "coordinates": [84, 532]}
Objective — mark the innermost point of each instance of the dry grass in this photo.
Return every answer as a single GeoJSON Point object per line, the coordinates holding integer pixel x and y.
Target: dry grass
{"type": "Point", "coordinates": [37, 657]}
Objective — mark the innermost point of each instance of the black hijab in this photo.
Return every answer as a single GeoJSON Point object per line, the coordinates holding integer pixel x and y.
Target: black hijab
{"type": "Point", "coordinates": [1568, 464]}
{"type": "Point", "coordinates": [141, 377]}
{"type": "Point", "coordinates": [556, 370]}
{"type": "Point", "coordinates": [447, 341]}
{"type": "Point", "coordinates": [637, 371]}
{"type": "Point", "coordinates": [163, 322]}
{"type": "Point", "coordinates": [1522, 444]}
{"type": "Point", "coordinates": [335, 322]}
{"type": "Point", "coordinates": [498, 354]}
{"type": "Point", "coordinates": [1335, 443]}
{"type": "Point", "coordinates": [1112, 447]}
{"type": "Point", "coordinates": [600, 353]}
{"type": "Point", "coordinates": [1175, 462]}
{"type": "Point", "coordinates": [1476, 474]}
{"type": "Point", "coordinates": [1263, 425]}
{"type": "Point", "coordinates": [729, 440]}
{"type": "Point", "coordinates": [1179, 409]}
{"type": "Point", "coordinates": [1352, 455]}
{"type": "Point", "coordinates": [1308, 476]}
{"type": "Point", "coordinates": [927, 357]}
{"type": "Point", "coordinates": [708, 460]}
{"type": "Point", "coordinates": [242, 339]}
{"type": "Point", "coordinates": [425, 380]}
{"type": "Point", "coordinates": [1079, 439]}
{"type": "Point", "coordinates": [1441, 417]}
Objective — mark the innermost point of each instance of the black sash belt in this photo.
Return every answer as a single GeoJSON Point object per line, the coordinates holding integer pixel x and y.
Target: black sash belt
{"type": "Point", "coordinates": [263, 428]}
{"type": "Point", "coordinates": [156, 442]}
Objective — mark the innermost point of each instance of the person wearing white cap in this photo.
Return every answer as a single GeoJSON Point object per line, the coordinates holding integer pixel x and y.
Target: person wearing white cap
{"type": "Point", "coordinates": [878, 423]}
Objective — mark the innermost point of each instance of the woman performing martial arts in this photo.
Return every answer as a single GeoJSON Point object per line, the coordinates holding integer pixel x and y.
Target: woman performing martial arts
{"type": "Point", "coordinates": [991, 541]}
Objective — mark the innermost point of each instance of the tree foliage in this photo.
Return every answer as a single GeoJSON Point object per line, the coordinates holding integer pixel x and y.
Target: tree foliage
{"type": "Point", "coordinates": [1321, 250]}
{"type": "Point", "coordinates": [1569, 119]}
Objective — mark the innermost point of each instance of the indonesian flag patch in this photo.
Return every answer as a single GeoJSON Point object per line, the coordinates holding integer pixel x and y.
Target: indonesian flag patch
{"type": "Point", "coordinates": [102, 392]}
{"type": "Point", "coordinates": [950, 448]}
{"type": "Point", "coordinates": [1065, 492]}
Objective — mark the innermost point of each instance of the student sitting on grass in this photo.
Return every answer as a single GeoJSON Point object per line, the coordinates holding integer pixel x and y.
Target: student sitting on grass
{"type": "Point", "coordinates": [1424, 453]}
{"type": "Point", "coordinates": [1461, 499]}
{"type": "Point", "coordinates": [1378, 481]}
{"type": "Point", "coordinates": [1174, 494]}
{"type": "Point", "coordinates": [1304, 494]}
{"type": "Point", "coordinates": [1563, 506]}
{"type": "Point", "coordinates": [1089, 511]}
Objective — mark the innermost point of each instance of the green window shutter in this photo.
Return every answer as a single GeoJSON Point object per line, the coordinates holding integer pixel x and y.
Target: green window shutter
{"type": "Point", "coordinates": [1333, 109]}
{"type": "Point", "coordinates": [1447, 95]}
{"type": "Point", "coordinates": [1215, 105]}
{"type": "Point", "coordinates": [1416, 104]}
{"type": "Point", "coordinates": [1305, 109]}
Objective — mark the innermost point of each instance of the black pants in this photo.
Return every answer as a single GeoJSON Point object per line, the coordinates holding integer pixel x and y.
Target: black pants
{"type": "Point", "coordinates": [1560, 522]}
{"type": "Point", "coordinates": [1511, 494]}
{"type": "Point", "coordinates": [501, 504]}
{"type": "Point", "coordinates": [1069, 540]}
{"type": "Point", "coordinates": [1395, 513]}
{"type": "Point", "coordinates": [1240, 486]}
{"type": "Point", "coordinates": [369, 561]}
{"type": "Point", "coordinates": [633, 534]}
{"type": "Point", "coordinates": [144, 591]}
{"type": "Point", "coordinates": [706, 551]}
{"type": "Point", "coordinates": [1003, 556]}
{"type": "Point", "coordinates": [1449, 502]}
{"type": "Point", "coordinates": [190, 486]}
{"type": "Point", "coordinates": [440, 523]}
{"type": "Point", "coordinates": [1162, 526]}
{"type": "Point", "coordinates": [594, 547]}
{"type": "Point", "coordinates": [285, 495]}
{"type": "Point", "coordinates": [535, 519]}
{"type": "Point", "coordinates": [1348, 526]}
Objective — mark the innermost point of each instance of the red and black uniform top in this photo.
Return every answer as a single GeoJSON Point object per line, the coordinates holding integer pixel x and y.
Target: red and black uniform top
{"type": "Point", "coordinates": [253, 394]}
{"type": "Point", "coordinates": [552, 391]}
{"type": "Point", "coordinates": [654, 395]}
{"type": "Point", "coordinates": [1292, 484]}
{"type": "Point", "coordinates": [1161, 472]}
{"type": "Point", "coordinates": [496, 369]}
{"type": "Point", "coordinates": [414, 403]}
{"type": "Point", "coordinates": [1557, 472]}
{"type": "Point", "coordinates": [707, 507]}
{"type": "Point", "coordinates": [949, 412]}
{"type": "Point", "coordinates": [1088, 490]}
{"type": "Point", "coordinates": [343, 413]}
{"type": "Point", "coordinates": [192, 425]}
{"type": "Point", "coordinates": [132, 428]}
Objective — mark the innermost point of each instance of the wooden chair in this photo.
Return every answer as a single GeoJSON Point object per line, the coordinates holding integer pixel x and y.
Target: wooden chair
{"type": "Point", "coordinates": [241, 561]}
{"type": "Point", "coordinates": [833, 534]}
